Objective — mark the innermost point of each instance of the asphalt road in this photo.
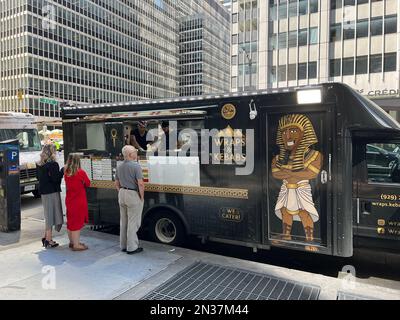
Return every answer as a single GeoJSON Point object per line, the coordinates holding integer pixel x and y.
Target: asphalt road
{"type": "Point", "coordinates": [366, 270]}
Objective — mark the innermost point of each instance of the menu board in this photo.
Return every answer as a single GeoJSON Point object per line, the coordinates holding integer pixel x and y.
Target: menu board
{"type": "Point", "coordinates": [102, 169]}
{"type": "Point", "coordinates": [86, 165]}
{"type": "Point", "coordinates": [145, 170]}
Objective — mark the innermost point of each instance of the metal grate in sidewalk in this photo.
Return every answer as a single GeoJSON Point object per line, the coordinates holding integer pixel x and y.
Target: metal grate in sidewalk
{"type": "Point", "coordinates": [203, 281]}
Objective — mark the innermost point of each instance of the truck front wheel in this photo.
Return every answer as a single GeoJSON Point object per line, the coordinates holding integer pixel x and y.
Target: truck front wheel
{"type": "Point", "coordinates": [167, 228]}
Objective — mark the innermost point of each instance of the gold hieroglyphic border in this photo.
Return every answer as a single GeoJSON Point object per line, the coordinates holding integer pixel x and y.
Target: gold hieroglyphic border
{"type": "Point", "coordinates": [196, 191]}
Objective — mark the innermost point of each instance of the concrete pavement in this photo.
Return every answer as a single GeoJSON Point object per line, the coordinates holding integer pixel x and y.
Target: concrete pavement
{"type": "Point", "coordinates": [29, 271]}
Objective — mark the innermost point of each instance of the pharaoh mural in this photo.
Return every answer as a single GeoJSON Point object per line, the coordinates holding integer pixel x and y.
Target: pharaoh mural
{"type": "Point", "coordinates": [296, 164]}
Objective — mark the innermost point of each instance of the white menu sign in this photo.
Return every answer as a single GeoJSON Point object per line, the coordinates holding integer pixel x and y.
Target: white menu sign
{"type": "Point", "coordinates": [86, 165]}
{"type": "Point", "coordinates": [102, 169]}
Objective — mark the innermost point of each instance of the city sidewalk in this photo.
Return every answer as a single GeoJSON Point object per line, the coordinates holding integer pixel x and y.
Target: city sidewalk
{"type": "Point", "coordinates": [103, 272]}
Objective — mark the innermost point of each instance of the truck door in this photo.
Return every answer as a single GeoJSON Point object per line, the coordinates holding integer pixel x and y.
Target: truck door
{"type": "Point", "coordinates": [297, 178]}
{"type": "Point", "coordinates": [377, 201]}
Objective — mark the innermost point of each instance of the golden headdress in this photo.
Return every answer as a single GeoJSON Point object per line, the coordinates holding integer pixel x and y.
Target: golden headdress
{"type": "Point", "coordinates": [310, 138]}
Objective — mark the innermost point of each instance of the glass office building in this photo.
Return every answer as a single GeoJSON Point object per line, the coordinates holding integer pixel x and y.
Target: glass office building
{"type": "Point", "coordinates": [204, 49]}
{"type": "Point", "coordinates": [289, 43]}
{"type": "Point", "coordinates": [90, 51]}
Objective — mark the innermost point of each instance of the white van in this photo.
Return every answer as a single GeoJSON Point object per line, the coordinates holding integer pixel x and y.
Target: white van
{"type": "Point", "coordinates": [22, 126]}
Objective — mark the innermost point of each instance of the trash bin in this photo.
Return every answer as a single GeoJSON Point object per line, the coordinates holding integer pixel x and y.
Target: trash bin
{"type": "Point", "coordinates": [10, 199]}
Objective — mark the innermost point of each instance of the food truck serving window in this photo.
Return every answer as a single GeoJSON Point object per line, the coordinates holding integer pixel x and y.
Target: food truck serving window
{"type": "Point", "coordinates": [89, 137]}
{"type": "Point", "coordinates": [383, 162]}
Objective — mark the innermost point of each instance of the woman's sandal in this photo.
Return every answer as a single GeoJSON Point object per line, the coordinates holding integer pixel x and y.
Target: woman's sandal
{"type": "Point", "coordinates": [50, 244]}
{"type": "Point", "coordinates": [71, 245]}
{"type": "Point", "coordinates": [82, 248]}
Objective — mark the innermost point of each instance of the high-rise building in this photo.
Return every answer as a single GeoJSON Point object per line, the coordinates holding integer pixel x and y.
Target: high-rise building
{"type": "Point", "coordinates": [95, 51]}
{"type": "Point", "coordinates": [289, 43]}
{"type": "Point", "coordinates": [204, 49]}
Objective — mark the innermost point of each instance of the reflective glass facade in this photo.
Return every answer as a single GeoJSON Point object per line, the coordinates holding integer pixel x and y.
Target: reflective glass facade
{"type": "Point", "coordinates": [304, 42]}
{"type": "Point", "coordinates": [90, 51]}
{"type": "Point", "coordinates": [204, 49]}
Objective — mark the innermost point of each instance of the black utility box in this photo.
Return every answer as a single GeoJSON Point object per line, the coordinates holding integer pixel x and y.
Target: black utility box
{"type": "Point", "coordinates": [10, 199]}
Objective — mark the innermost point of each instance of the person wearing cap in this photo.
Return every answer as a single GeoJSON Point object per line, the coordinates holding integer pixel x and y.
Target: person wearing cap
{"type": "Point", "coordinates": [165, 139]}
{"type": "Point", "coordinates": [140, 137]}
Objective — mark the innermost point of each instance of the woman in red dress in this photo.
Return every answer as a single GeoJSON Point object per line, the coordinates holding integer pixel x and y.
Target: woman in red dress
{"type": "Point", "coordinates": [76, 181]}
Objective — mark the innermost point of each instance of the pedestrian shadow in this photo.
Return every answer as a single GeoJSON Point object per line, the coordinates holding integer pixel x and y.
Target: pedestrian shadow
{"type": "Point", "coordinates": [64, 256]}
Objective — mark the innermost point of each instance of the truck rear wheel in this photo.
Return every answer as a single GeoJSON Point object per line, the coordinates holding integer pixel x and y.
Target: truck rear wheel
{"type": "Point", "coordinates": [167, 228]}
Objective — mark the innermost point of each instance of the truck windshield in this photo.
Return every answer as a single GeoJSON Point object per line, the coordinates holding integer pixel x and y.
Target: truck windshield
{"type": "Point", "coordinates": [28, 138]}
{"type": "Point", "coordinates": [383, 162]}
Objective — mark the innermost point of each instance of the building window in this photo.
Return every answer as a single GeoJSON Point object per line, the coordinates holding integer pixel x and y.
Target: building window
{"type": "Point", "coordinates": [313, 35]}
{"type": "Point", "coordinates": [390, 62]}
{"type": "Point", "coordinates": [313, 6]}
{"type": "Point", "coordinates": [376, 26]}
{"type": "Point", "coordinates": [335, 32]}
{"type": "Point", "coordinates": [282, 40]}
{"type": "Point", "coordinates": [303, 37]}
{"type": "Point", "coordinates": [235, 18]}
{"type": "Point", "coordinates": [292, 39]}
{"type": "Point", "coordinates": [302, 71]}
{"type": "Point", "coordinates": [292, 72]}
{"type": "Point", "coordinates": [348, 30]}
{"type": "Point", "coordinates": [375, 63]}
{"type": "Point", "coordinates": [273, 12]}
{"type": "Point", "coordinates": [349, 2]}
{"type": "Point", "coordinates": [303, 7]}
{"type": "Point", "coordinates": [336, 4]}
{"type": "Point", "coordinates": [272, 74]}
{"type": "Point", "coordinates": [234, 82]}
{"type": "Point", "coordinates": [362, 65]}
{"type": "Point", "coordinates": [234, 39]}
{"type": "Point", "coordinates": [283, 10]}
{"type": "Point", "coordinates": [348, 66]}
{"type": "Point", "coordinates": [312, 70]}
{"type": "Point", "coordinates": [293, 8]}
{"type": "Point", "coordinates": [282, 73]}
{"type": "Point", "coordinates": [234, 60]}
{"type": "Point", "coordinates": [362, 28]}
{"type": "Point", "coordinates": [273, 42]}
{"type": "Point", "coordinates": [362, 1]}
{"type": "Point", "coordinates": [391, 24]}
{"type": "Point", "coordinates": [334, 67]}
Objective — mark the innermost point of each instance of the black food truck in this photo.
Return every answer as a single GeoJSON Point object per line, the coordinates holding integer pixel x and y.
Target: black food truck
{"type": "Point", "coordinates": [314, 169]}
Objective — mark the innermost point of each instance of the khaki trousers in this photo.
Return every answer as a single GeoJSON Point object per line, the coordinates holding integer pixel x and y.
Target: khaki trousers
{"type": "Point", "coordinates": [130, 207]}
